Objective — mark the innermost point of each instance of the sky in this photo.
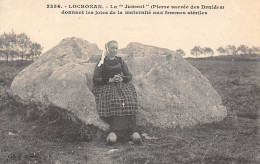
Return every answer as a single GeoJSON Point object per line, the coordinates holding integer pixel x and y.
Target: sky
{"type": "Point", "coordinates": [238, 23]}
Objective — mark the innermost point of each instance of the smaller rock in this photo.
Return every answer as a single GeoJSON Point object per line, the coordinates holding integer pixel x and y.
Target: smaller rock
{"type": "Point", "coordinates": [11, 134]}
{"type": "Point", "coordinates": [145, 135]}
{"type": "Point", "coordinates": [112, 151]}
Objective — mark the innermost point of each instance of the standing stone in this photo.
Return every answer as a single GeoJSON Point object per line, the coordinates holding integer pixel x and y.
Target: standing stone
{"type": "Point", "coordinates": [171, 92]}
{"type": "Point", "coordinates": [58, 78]}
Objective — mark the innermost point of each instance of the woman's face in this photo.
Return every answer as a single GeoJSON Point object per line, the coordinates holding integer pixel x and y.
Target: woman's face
{"type": "Point", "coordinates": [112, 49]}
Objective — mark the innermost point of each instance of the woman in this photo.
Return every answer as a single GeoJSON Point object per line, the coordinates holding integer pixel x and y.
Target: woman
{"type": "Point", "coordinates": [115, 97]}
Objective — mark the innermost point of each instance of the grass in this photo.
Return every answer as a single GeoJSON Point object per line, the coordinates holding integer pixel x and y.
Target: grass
{"type": "Point", "coordinates": [237, 82]}
{"type": "Point", "coordinates": [25, 138]}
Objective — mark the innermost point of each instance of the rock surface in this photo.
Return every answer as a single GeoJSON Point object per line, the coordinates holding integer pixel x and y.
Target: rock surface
{"type": "Point", "coordinates": [58, 78]}
{"type": "Point", "coordinates": [170, 91]}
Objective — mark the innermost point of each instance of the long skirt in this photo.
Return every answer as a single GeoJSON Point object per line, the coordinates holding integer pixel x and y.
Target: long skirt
{"type": "Point", "coordinates": [117, 104]}
{"type": "Point", "coordinates": [116, 99]}
{"type": "Point", "coordinates": [122, 125]}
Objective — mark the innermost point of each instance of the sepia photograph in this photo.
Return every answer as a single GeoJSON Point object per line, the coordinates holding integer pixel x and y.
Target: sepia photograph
{"type": "Point", "coordinates": [129, 81]}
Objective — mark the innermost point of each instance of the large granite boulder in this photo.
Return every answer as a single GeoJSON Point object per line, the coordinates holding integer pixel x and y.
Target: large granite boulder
{"type": "Point", "coordinates": [170, 91]}
{"type": "Point", "coordinates": [58, 78]}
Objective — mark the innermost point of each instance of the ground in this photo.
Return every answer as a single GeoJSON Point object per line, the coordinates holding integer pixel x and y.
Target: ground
{"type": "Point", "coordinates": [234, 140]}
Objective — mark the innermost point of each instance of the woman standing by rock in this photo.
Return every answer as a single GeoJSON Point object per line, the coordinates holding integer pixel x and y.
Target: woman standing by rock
{"type": "Point", "coordinates": [115, 96]}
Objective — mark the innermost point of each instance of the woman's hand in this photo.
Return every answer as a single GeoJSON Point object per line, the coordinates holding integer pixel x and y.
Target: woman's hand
{"type": "Point", "coordinates": [111, 80]}
{"type": "Point", "coordinates": [116, 79]}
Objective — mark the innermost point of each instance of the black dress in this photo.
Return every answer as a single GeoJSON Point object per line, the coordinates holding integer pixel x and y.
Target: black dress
{"type": "Point", "coordinates": [116, 102]}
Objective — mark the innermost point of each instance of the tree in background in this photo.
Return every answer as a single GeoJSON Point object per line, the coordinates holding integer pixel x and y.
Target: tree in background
{"type": "Point", "coordinates": [242, 49]}
{"type": "Point", "coordinates": [208, 51]}
{"type": "Point", "coordinates": [196, 51]}
{"type": "Point", "coordinates": [180, 52]}
{"type": "Point", "coordinates": [18, 47]}
{"type": "Point", "coordinates": [7, 45]}
{"type": "Point", "coordinates": [35, 50]}
{"type": "Point", "coordinates": [254, 50]}
{"type": "Point", "coordinates": [221, 50]}
{"type": "Point", "coordinates": [231, 50]}
{"type": "Point", "coordinates": [24, 45]}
